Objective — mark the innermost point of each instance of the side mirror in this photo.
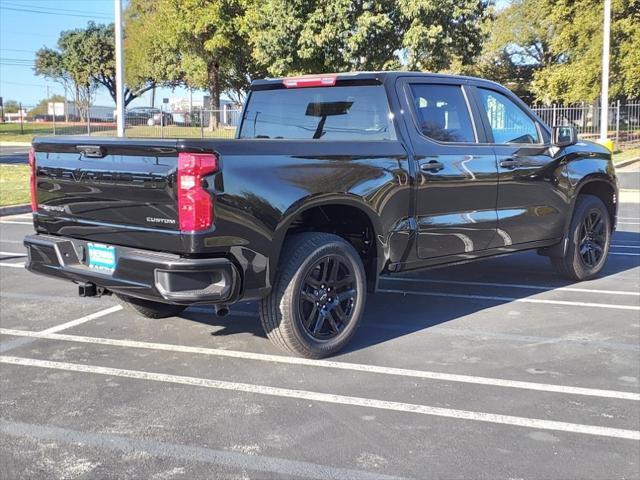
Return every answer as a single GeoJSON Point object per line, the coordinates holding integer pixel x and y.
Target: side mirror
{"type": "Point", "coordinates": [564, 135]}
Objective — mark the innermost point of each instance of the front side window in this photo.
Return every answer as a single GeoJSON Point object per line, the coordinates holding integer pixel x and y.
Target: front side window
{"type": "Point", "coordinates": [325, 113]}
{"type": "Point", "coordinates": [508, 122]}
{"type": "Point", "coordinates": [442, 113]}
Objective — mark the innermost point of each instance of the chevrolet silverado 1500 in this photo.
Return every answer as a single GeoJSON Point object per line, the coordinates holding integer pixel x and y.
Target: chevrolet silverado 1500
{"type": "Point", "coordinates": [331, 181]}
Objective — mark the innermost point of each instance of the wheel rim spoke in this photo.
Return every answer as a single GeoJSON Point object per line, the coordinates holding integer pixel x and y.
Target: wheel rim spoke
{"type": "Point", "coordinates": [311, 318]}
{"type": "Point", "coordinates": [322, 317]}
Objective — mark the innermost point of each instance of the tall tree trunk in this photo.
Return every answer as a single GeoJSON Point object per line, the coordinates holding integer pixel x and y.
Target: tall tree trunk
{"type": "Point", "coordinates": [78, 104]}
{"type": "Point", "coordinates": [214, 91]}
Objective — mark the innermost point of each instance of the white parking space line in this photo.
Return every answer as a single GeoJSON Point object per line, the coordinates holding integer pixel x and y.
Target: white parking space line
{"type": "Point", "coordinates": [21, 342]}
{"type": "Point", "coordinates": [81, 320]}
{"type": "Point", "coordinates": [15, 222]}
{"type": "Point", "coordinates": [14, 254]}
{"type": "Point", "coordinates": [12, 265]}
{"type": "Point", "coordinates": [543, 288]}
{"type": "Point", "coordinates": [625, 254]}
{"type": "Point", "coordinates": [357, 367]}
{"type": "Point", "coordinates": [306, 395]}
{"type": "Point", "coordinates": [514, 299]}
{"type": "Point", "coordinates": [282, 467]}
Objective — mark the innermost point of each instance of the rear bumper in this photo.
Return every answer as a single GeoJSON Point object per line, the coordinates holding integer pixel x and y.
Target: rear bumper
{"type": "Point", "coordinates": [139, 273]}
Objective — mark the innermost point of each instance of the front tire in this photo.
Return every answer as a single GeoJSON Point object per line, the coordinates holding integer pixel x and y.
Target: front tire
{"type": "Point", "coordinates": [588, 243]}
{"type": "Point", "coordinates": [318, 297]}
{"type": "Point", "coordinates": [148, 308]}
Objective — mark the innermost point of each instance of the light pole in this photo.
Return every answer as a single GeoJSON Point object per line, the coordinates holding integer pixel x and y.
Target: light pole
{"type": "Point", "coordinates": [604, 92]}
{"type": "Point", "coordinates": [119, 69]}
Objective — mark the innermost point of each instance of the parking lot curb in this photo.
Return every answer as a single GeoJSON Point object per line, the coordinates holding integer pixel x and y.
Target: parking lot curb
{"type": "Point", "coordinates": [15, 209]}
{"type": "Point", "coordinates": [15, 144]}
{"type": "Point", "coordinates": [626, 163]}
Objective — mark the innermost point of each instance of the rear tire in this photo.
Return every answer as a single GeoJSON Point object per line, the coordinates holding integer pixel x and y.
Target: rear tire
{"type": "Point", "coordinates": [588, 243]}
{"type": "Point", "coordinates": [318, 296]}
{"type": "Point", "coordinates": [148, 308]}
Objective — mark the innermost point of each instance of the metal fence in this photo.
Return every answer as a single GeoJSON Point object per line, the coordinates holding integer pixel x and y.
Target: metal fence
{"type": "Point", "coordinates": [623, 119]}
{"type": "Point", "coordinates": [624, 122]}
{"type": "Point", "coordinates": [139, 122]}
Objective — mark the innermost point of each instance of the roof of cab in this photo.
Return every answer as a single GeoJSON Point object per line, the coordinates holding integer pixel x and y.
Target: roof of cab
{"type": "Point", "coordinates": [380, 76]}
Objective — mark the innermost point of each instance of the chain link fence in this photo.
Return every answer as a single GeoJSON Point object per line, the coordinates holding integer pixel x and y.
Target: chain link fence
{"type": "Point", "coordinates": [139, 122]}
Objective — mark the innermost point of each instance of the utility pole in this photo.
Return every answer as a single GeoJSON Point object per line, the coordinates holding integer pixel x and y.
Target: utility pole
{"type": "Point", "coordinates": [604, 92]}
{"type": "Point", "coordinates": [120, 119]}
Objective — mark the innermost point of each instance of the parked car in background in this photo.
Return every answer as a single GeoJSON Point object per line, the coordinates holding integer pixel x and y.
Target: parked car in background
{"type": "Point", "coordinates": [146, 116]}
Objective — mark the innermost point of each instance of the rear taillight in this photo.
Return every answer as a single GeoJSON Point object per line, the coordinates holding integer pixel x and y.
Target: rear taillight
{"type": "Point", "coordinates": [33, 179]}
{"type": "Point", "coordinates": [195, 203]}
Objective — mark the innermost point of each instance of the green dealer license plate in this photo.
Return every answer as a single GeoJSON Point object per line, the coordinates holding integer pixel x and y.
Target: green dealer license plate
{"type": "Point", "coordinates": [102, 257]}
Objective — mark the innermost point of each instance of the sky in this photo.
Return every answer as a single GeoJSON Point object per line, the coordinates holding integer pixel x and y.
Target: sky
{"type": "Point", "coordinates": [28, 25]}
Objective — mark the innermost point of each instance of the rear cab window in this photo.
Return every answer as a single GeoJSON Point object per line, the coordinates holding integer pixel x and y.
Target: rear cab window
{"type": "Point", "coordinates": [319, 113]}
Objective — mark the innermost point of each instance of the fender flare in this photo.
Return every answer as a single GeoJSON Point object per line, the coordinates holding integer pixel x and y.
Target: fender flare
{"type": "Point", "coordinates": [560, 249]}
{"type": "Point", "coordinates": [313, 201]}
{"type": "Point", "coordinates": [591, 178]}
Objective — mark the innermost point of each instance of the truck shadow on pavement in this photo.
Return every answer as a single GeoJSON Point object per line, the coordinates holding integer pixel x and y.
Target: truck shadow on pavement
{"type": "Point", "coordinates": [393, 315]}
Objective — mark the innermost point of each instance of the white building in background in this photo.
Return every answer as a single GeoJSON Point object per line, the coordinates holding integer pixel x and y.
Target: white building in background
{"type": "Point", "coordinates": [15, 116]}
{"type": "Point", "coordinates": [180, 107]}
{"type": "Point", "coordinates": [69, 109]}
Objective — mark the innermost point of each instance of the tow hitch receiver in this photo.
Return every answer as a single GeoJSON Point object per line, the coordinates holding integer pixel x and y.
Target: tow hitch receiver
{"type": "Point", "coordinates": [91, 290]}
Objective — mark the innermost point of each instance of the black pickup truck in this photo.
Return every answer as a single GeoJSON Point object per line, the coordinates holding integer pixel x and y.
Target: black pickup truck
{"type": "Point", "coordinates": [331, 181]}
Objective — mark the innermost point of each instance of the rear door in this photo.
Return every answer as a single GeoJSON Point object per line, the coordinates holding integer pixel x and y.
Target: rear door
{"type": "Point", "coordinates": [529, 207]}
{"type": "Point", "coordinates": [456, 176]}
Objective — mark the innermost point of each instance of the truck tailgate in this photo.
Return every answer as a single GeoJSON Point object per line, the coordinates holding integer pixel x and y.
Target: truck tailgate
{"type": "Point", "coordinates": [110, 190]}
{"type": "Point", "coordinates": [129, 185]}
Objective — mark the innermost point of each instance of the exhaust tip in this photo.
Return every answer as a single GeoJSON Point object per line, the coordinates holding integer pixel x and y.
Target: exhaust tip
{"type": "Point", "coordinates": [222, 310]}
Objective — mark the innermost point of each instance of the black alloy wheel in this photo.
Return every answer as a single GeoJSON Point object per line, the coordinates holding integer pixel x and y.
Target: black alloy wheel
{"type": "Point", "coordinates": [318, 297]}
{"type": "Point", "coordinates": [327, 297]}
{"type": "Point", "coordinates": [593, 238]}
{"type": "Point", "coordinates": [587, 240]}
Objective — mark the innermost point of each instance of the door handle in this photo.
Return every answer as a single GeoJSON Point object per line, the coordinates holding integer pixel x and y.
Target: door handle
{"type": "Point", "coordinates": [510, 163]}
{"type": "Point", "coordinates": [432, 166]}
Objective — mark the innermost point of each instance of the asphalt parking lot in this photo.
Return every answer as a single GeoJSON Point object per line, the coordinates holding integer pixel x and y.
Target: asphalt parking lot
{"type": "Point", "coordinates": [498, 369]}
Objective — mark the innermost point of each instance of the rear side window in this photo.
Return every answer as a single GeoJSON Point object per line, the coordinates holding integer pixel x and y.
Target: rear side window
{"type": "Point", "coordinates": [442, 113]}
{"type": "Point", "coordinates": [509, 124]}
{"type": "Point", "coordinates": [329, 113]}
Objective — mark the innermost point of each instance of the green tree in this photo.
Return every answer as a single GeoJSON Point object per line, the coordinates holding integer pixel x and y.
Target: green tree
{"type": "Point", "coordinates": [86, 58]}
{"type": "Point", "coordinates": [65, 66]}
{"type": "Point", "coordinates": [306, 36]}
{"type": "Point", "coordinates": [551, 49]}
{"type": "Point", "coordinates": [11, 106]}
{"type": "Point", "coordinates": [199, 43]}
{"type": "Point", "coordinates": [148, 58]}
{"type": "Point", "coordinates": [578, 44]}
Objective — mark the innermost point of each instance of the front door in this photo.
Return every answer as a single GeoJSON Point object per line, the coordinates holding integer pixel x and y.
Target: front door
{"type": "Point", "coordinates": [530, 205]}
{"type": "Point", "coordinates": [456, 176]}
